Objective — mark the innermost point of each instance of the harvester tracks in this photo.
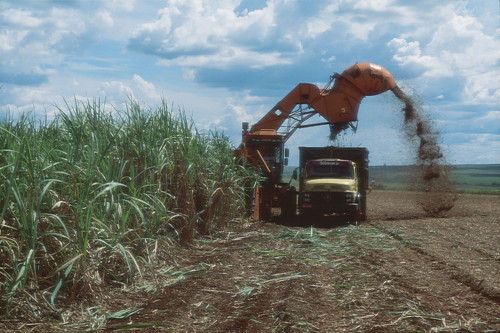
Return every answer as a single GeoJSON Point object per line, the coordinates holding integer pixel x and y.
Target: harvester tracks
{"type": "Point", "coordinates": [454, 272]}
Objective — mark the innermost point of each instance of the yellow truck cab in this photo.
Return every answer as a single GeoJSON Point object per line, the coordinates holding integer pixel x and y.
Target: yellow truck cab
{"type": "Point", "coordinates": [329, 184]}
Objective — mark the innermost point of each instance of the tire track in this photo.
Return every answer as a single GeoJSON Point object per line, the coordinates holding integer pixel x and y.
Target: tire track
{"type": "Point", "coordinates": [442, 236]}
{"type": "Point", "coordinates": [437, 263]}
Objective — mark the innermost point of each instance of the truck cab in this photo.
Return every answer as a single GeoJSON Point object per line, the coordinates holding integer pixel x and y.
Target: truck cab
{"type": "Point", "coordinates": [333, 180]}
{"type": "Point", "coordinates": [329, 186]}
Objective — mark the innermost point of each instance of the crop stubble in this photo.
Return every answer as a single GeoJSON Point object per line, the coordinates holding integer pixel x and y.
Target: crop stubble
{"type": "Point", "coordinates": [397, 272]}
{"type": "Point", "coordinates": [400, 271]}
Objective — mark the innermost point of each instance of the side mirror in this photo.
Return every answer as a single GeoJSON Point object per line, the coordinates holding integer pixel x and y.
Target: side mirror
{"type": "Point", "coordinates": [285, 161]}
{"type": "Point", "coordinates": [287, 152]}
{"type": "Point", "coordinates": [294, 176]}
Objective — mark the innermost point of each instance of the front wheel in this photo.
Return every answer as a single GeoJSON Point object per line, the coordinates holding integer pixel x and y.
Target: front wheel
{"type": "Point", "coordinates": [362, 204]}
{"type": "Point", "coordinates": [355, 216]}
{"type": "Point", "coordinates": [359, 214]}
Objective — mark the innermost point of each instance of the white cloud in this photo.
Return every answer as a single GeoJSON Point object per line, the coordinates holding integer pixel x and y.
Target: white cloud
{"type": "Point", "coordinates": [375, 5]}
{"type": "Point", "coordinates": [242, 114]}
{"type": "Point", "coordinates": [329, 59]}
{"type": "Point", "coordinates": [37, 101]}
{"type": "Point", "coordinates": [229, 57]}
{"type": "Point", "coordinates": [483, 88]}
{"type": "Point", "coordinates": [56, 31]}
{"type": "Point", "coordinates": [321, 22]}
{"type": "Point", "coordinates": [198, 34]}
{"type": "Point", "coordinates": [480, 148]}
{"type": "Point", "coordinates": [9, 39]}
{"type": "Point", "coordinates": [45, 35]}
{"type": "Point", "coordinates": [457, 47]}
{"type": "Point", "coordinates": [20, 17]}
{"type": "Point", "coordinates": [43, 99]}
{"type": "Point", "coordinates": [146, 90]}
{"type": "Point", "coordinates": [362, 30]}
{"type": "Point", "coordinates": [113, 89]}
{"type": "Point", "coordinates": [117, 92]}
{"type": "Point", "coordinates": [245, 107]}
{"type": "Point", "coordinates": [32, 96]}
{"type": "Point", "coordinates": [105, 18]}
{"type": "Point", "coordinates": [409, 54]}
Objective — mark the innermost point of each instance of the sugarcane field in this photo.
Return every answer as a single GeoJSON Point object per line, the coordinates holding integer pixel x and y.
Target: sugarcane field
{"type": "Point", "coordinates": [248, 166]}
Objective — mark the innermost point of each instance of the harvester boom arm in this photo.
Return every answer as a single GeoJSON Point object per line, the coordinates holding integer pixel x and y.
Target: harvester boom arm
{"type": "Point", "coordinates": [337, 105]}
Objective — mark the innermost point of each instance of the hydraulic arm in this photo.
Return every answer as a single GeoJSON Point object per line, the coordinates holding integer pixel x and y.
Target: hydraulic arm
{"type": "Point", "coordinates": [338, 105]}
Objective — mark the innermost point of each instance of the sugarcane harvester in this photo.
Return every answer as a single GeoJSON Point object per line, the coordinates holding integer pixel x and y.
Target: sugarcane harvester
{"type": "Point", "coordinates": [262, 144]}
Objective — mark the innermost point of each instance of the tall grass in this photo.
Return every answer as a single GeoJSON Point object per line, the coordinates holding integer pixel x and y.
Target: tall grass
{"type": "Point", "coordinates": [89, 196]}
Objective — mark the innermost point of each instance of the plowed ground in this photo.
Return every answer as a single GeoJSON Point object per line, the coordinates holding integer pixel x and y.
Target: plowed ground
{"type": "Point", "coordinates": [401, 271]}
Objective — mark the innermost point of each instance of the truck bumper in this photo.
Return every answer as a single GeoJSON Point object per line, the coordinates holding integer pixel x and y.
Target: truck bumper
{"type": "Point", "coordinates": [327, 203]}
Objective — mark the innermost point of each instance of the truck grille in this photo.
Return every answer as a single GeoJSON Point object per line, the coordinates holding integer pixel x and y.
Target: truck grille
{"type": "Point", "coordinates": [324, 197]}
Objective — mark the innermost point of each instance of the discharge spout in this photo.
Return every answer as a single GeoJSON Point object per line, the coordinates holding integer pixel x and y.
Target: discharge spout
{"type": "Point", "coordinates": [341, 103]}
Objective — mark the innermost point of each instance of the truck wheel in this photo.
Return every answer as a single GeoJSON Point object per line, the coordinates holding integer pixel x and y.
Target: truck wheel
{"type": "Point", "coordinates": [265, 210]}
{"type": "Point", "coordinates": [363, 208]}
{"type": "Point", "coordinates": [360, 214]}
{"type": "Point", "coordinates": [355, 216]}
{"type": "Point", "coordinates": [289, 203]}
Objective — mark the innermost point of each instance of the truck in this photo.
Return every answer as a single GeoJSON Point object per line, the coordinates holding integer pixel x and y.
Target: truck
{"type": "Point", "coordinates": [263, 144]}
{"type": "Point", "coordinates": [333, 180]}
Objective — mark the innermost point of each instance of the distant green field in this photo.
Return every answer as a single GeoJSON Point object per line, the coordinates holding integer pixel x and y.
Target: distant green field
{"type": "Point", "coordinates": [468, 178]}
{"type": "Point", "coordinates": [477, 178]}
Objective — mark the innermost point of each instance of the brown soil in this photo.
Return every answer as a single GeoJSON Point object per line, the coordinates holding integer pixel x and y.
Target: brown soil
{"type": "Point", "coordinates": [401, 271]}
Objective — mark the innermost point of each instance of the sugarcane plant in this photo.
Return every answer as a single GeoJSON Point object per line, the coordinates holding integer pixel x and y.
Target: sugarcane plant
{"type": "Point", "coordinates": [86, 196]}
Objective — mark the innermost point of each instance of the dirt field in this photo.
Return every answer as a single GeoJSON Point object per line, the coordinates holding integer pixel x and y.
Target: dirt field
{"type": "Point", "coordinates": [399, 272]}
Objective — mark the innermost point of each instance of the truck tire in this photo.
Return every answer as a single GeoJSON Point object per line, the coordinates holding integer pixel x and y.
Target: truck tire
{"type": "Point", "coordinates": [265, 210]}
{"type": "Point", "coordinates": [363, 208]}
{"type": "Point", "coordinates": [360, 214]}
{"type": "Point", "coordinates": [289, 203]}
{"type": "Point", "coordinates": [355, 216]}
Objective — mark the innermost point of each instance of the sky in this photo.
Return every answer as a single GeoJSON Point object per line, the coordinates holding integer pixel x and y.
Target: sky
{"type": "Point", "coordinates": [224, 62]}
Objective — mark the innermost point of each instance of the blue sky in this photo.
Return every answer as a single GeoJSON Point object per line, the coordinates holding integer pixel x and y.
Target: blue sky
{"type": "Point", "coordinates": [229, 61]}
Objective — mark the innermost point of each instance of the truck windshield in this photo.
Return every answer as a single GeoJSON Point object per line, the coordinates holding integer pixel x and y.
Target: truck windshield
{"type": "Point", "coordinates": [315, 169]}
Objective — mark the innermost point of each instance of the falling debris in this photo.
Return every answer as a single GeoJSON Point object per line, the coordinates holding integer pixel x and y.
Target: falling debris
{"type": "Point", "coordinates": [336, 129]}
{"type": "Point", "coordinates": [440, 194]}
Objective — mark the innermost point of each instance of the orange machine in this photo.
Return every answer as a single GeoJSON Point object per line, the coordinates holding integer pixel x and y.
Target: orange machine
{"type": "Point", "coordinates": [262, 145]}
